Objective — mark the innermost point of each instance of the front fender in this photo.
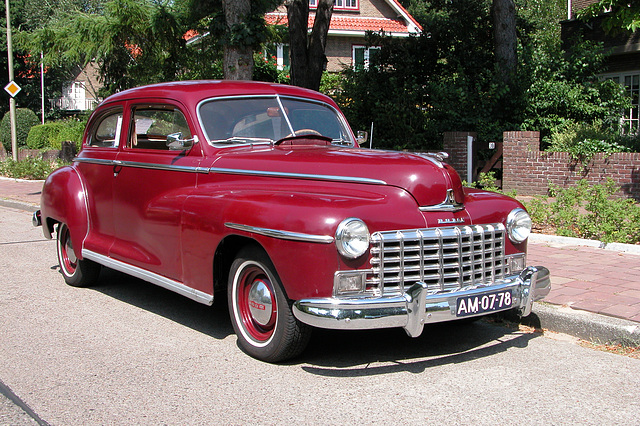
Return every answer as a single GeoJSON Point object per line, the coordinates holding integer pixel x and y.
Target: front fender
{"type": "Point", "coordinates": [64, 200]}
{"type": "Point", "coordinates": [314, 209]}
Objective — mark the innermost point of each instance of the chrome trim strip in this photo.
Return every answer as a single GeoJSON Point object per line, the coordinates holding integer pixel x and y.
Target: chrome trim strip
{"type": "Point", "coordinates": [152, 166]}
{"type": "Point", "coordinates": [93, 161]}
{"type": "Point", "coordinates": [282, 235]}
{"type": "Point", "coordinates": [165, 167]}
{"type": "Point", "coordinates": [148, 276]}
{"type": "Point", "coordinates": [351, 179]}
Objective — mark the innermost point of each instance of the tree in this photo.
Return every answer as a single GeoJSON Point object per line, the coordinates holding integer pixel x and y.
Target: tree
{"type": "Point", "coordinates": [622, 15]}
{"type": "Point", "coordinates": [308, 59]}
{"type": "Point", "coordinates": [503, 15]}
{"type": "Point", "coordinates": [238, 55]}
{"type": "Point", "coordinates": [141, 42]}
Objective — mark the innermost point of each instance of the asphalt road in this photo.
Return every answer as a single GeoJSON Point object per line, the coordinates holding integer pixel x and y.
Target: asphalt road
{"type": "Point", "coordinates": [127, 352]}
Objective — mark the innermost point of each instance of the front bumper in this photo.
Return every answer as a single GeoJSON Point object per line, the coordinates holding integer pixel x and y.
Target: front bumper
{"type": "Point", "coordinates": [415, 308]}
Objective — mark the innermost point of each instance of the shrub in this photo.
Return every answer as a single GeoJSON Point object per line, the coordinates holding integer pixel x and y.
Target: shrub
{"type": "Point", "coordinates": [583, 141]}
{"type": "Point", "coordinates": [589, 211]}
{"type": "Point", "coordinates": [39, 136]}
{"type": "Point", "coordinates": [51, 135]}
{"type": "Point", "coordinates": [29, 168]}
{"type": "Point", "coordinates": [70, 130]}
{"type": "Point", "coordinates": [25, 119]}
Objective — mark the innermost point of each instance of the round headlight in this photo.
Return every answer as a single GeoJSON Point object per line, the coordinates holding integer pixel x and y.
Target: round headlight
{"type": "Point", "coordinates": [518, 225]}
{"type": "Point", "coordinates": [352, 238]}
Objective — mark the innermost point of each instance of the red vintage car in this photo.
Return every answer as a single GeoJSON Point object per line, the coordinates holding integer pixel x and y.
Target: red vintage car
{"type": "Point", "coordinates": [262, 190]}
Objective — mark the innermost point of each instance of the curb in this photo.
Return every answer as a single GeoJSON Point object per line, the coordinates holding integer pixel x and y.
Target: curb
{"type": "Point", "coordinates": [20, 205]}
{"type": "Point", "coordinates": [584, 325]}
{"type": "Point", "coordinates": [572, 241]}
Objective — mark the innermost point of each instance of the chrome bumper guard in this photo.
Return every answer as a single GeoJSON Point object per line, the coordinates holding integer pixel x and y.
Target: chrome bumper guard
{"type": "Point", "coordinates": [415, 308]}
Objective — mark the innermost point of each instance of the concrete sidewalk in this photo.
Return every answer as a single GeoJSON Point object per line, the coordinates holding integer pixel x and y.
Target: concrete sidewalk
{"type": "Point", "coordinates": [595, 289]}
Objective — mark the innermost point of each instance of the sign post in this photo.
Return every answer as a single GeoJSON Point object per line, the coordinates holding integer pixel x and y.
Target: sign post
{"type": "Point", "coordinates": [11, 86]}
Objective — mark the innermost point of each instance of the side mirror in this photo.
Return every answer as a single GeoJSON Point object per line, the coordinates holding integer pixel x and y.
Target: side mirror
{"type": "Point", "coordinates": [176, 143]}
{"type": "Point", "coordinates": [362, 137]}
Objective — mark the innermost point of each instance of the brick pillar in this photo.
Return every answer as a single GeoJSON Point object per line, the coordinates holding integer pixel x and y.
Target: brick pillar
{"type": "Point", "coordinates": [520, 151]}
{"type": "Point", "coordinates": [455, 144]}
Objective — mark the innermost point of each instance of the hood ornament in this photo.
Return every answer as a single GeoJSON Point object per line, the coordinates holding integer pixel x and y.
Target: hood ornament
{"type": "Point", "coordinates": [448, 205]}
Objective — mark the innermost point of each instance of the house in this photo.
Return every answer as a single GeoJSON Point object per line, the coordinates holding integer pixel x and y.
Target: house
{"type": "Point", "coordinates": [350, 21]}
{"type": "Point", "coordinates": [622, 61]}
{"type": "Point", "coordinates": [81, 93]}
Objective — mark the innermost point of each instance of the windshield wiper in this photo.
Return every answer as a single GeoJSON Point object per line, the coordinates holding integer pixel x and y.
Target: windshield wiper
{"type": "Point", "coordinates": [242, 140]}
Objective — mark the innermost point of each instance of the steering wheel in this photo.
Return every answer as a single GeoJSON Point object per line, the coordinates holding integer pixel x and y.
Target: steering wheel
{"type": "Point", "coordinates": [303, 132]}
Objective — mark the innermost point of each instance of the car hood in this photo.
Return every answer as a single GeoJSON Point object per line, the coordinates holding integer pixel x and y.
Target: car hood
{"type": "Point", "coordinates": [426, 178]}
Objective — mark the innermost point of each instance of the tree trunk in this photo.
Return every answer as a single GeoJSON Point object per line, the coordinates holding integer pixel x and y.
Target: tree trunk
{"type": "Point", "coordinates": [505, 39]}
{"type": "Point", "coordinates": [238, 58]}
{"type": "Point", "coordinates": [307, 51]}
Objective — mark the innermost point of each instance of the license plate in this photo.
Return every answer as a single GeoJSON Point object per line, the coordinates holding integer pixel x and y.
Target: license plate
{"type": "Point", "coordinates": [483, 303]}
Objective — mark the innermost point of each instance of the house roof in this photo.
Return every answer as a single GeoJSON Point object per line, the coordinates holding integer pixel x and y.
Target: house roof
{"type": "Point", "coordinates": [350, 25]}
{"type": "Point", "coordinates": [354, 25]}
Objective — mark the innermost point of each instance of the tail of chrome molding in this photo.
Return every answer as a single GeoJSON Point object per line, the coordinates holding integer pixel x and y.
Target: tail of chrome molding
{"type": "Point", "coordinates": [36, 219]}
{"type": "Point", "coordinates": [415, 308]}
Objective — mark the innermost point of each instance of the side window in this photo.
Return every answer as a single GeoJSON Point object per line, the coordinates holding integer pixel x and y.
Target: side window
{"type": "Point", "coordinates": [106, 130]}
{"type": "Point", "coordinates": [153, 123]}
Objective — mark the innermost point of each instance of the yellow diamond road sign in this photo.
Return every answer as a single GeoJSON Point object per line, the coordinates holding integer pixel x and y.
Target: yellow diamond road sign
{"type": "Point", "coordinates": [12, 88]}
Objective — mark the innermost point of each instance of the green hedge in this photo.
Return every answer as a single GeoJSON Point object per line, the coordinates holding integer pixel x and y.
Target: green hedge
{"type": "Point", "coordinates": [51, 135]}
{"type": "Point", "coordinates": [25, 119]}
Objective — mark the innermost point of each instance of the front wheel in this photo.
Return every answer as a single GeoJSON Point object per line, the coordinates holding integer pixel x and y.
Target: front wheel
{"type": "Point", "coordinates": [260, 311]}
{"type": "Point", "coordinates": [76, 272]}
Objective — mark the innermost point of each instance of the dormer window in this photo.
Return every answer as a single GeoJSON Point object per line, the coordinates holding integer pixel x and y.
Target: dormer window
{"type": "Point", "coordinates": [338, 4]}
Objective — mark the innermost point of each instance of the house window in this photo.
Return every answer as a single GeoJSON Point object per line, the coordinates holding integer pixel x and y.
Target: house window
{"type": "Point", "coordinates": [362, 55]}
{"type": "Point", "coordinates": [630, 121]}
{"type": "Point", "coordinates": [338, 4]}
{"type": "Point", "coordinates": [280, 52]}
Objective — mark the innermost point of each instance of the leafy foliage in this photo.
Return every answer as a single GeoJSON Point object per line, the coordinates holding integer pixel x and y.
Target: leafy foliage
{"type": "Point", "coordinates": [29, 168]}
{"type": "Point", "coordinates": [442, 80]}
{"type": "Point", "coordinates": [25, 119]}
{"type": "Point", "coordinates": [266, 69]}
{"type": "Point", "coordinates": [622, 15]}
{"type": "Point", "coordinates": [446, 79]}
{"type": "Point", "coordinates": [589, 211]}
{"type": "Point", "coordinates": [583, 141]}
{"type": "Point", "coordinates": [51, 135]}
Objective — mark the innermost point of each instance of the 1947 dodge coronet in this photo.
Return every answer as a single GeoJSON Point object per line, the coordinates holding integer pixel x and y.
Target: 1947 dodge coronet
{"type": "Point", "coordinates": [262, 190]}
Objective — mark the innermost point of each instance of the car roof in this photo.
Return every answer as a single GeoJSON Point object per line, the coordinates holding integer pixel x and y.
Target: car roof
{"type": "Point", "coordinates": [193, 91]}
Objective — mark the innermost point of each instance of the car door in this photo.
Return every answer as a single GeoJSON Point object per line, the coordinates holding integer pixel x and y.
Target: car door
{"type": "Point", "coordinates": [151, 185]}
{"type": "Point", "coordinates": [95, 163]}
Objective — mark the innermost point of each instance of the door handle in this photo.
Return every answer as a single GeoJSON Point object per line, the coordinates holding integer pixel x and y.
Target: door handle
{"type": "Point", "coordinates": [117, 167]}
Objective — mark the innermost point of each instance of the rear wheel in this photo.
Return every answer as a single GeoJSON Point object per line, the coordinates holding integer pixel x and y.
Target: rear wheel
{"type": "Point", "coordinates": [76, 272]}
{"type": "Point", "coordinates": [260, 311]}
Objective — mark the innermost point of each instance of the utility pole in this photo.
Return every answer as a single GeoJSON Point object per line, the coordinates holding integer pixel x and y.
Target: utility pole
{"type": "Point", "coordinates": [12, 101]}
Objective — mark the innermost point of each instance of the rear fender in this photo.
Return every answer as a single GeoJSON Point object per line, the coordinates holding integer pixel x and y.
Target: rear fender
{"type": "Point", "coordinates": [64, 200]}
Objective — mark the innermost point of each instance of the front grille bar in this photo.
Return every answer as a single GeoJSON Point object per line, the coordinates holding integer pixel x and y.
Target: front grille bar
{"type": "Point", "coordinates": [446, 258]}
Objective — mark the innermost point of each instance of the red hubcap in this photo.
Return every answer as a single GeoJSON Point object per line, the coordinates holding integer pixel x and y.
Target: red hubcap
{"type": "Point", "coordinates": [256, 303]}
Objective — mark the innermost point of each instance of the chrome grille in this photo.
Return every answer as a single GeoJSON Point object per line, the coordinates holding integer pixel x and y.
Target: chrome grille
{"type": "Point", "coordinates": [445, 258]}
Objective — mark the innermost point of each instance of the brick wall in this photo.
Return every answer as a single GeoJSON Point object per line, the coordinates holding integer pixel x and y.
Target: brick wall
{"type": "Point", "coordinates": [530, 171]}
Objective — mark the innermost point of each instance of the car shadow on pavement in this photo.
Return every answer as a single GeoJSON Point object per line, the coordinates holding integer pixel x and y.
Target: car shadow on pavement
{"type": "Point", "coordinates": [210, 320]}
{"type": "Point", "coordinates": [369, 353]}
{"type": "Point", "coordinates": [330, 352]}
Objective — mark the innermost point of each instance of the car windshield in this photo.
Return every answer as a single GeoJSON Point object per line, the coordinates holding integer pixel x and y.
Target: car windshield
{"type": "Point", "coordinates": [251, 120]}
